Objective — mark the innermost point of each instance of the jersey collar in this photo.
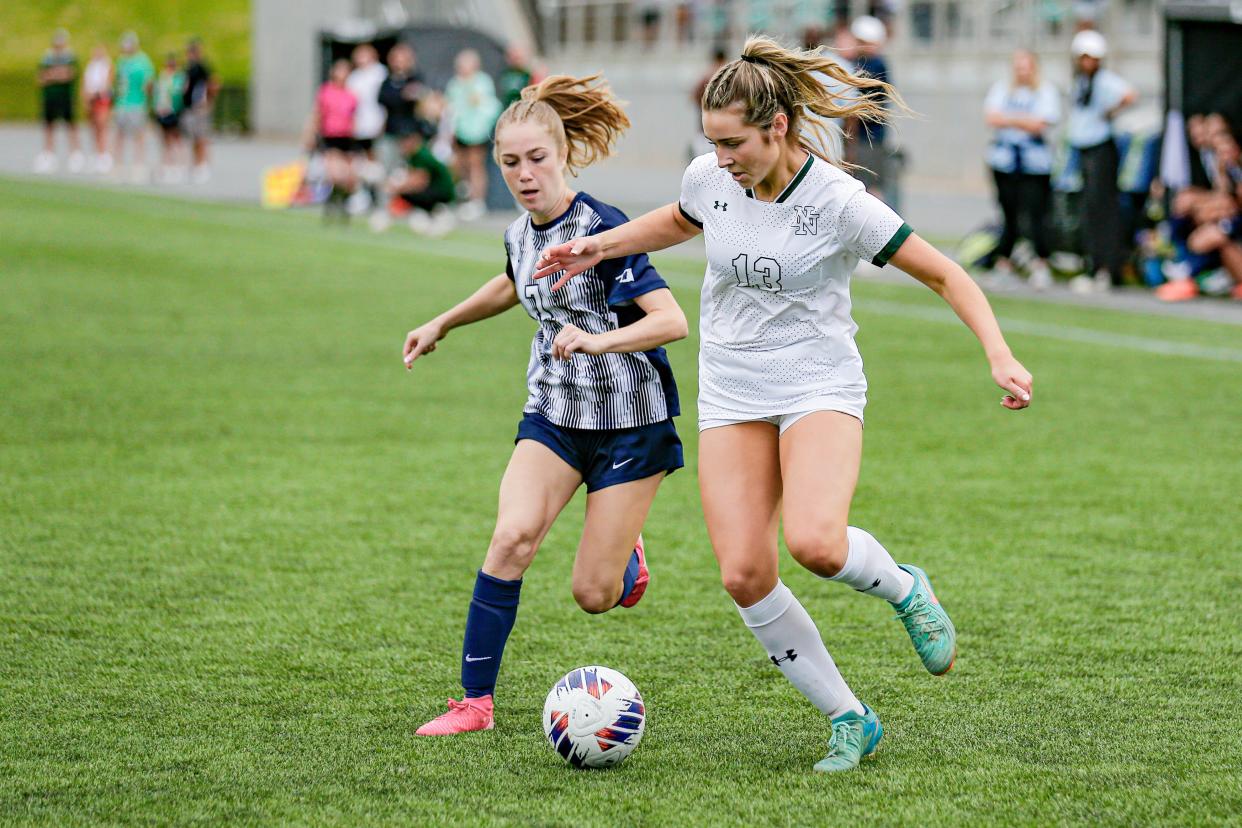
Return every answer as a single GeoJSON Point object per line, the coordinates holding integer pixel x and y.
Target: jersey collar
{"type": "Point", "coordinates": [793, 183]}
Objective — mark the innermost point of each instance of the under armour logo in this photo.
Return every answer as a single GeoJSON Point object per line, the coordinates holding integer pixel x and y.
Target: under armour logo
{"type": "Point", "coordinates": [873, 586]}
{"type": "Point", "coordinates": [790, 655]}
{"type": "Point", "coordinates": [806, 221]}
{"type": "Point", "coordinates": [722, 206]}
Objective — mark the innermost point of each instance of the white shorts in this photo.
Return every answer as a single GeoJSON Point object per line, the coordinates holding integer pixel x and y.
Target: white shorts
{"type": "Point", "coordinates": [781, 421]}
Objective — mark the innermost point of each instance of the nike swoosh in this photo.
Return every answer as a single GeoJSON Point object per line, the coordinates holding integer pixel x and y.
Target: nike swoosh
{"type": "Point", "coordinates": [622, 463]}
{"type": "Point", "coordinates": [481, 658]}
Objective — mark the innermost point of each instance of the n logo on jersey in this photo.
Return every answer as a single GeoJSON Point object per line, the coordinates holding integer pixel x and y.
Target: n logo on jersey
{"type": "Point", "coordinates": [627, 275]}
{"type": "Point", "coordinates": [806, 220]}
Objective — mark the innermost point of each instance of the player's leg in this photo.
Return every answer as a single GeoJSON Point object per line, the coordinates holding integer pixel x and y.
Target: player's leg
{"type": "Point", "coordinates": [820, 457]}
{"type": "Point", "coordinates": [622, 473]}
{"type": "Point", "coordinates": [535, 488]}
{"type": "Point", "coordinates": [610, 566]}
{"type": "Point", "coordinates": [740, 482]}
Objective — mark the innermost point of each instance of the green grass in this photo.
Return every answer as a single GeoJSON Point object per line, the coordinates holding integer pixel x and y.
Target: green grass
{"type": "Point", "coordinates": [162, 25]}
{"type": "Point", "coordinates": [237, 542]}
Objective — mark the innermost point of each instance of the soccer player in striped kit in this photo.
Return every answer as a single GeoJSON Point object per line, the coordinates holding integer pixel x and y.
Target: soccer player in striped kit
{"type": "Point", "coordinates": [602, 395]}
{"type": "Point", "coordinates": [781, 385]}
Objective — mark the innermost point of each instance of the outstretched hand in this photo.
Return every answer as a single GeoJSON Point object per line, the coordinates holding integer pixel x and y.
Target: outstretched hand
{"type": "Point", "coordinates": [569, 259]}
{"type": "Point", "coordinates": [420, 341]}
{"type": "Point", "coordinates": [1011, 376]}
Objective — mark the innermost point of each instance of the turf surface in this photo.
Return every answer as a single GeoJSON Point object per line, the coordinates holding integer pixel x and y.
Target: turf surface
{"type": "Point", "coordinates": [237, 541]}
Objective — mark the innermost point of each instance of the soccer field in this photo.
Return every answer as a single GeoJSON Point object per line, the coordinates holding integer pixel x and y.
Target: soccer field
{"type": "Point", "coordinates": [237, 542]}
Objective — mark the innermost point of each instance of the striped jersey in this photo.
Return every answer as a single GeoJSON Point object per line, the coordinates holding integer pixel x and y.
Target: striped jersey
{"type": "Point", "coordinates": [603, 392]}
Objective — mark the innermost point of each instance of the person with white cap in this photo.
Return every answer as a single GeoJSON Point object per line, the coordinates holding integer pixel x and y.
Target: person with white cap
{"type": "Point", "coordinates": [868, 149]}
{"type": "Point", "coordinates": [1097, 95]}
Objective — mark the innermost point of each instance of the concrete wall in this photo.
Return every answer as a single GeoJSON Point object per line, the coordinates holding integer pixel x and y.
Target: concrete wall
{"type": "Point", "coordinates": [285, 62]}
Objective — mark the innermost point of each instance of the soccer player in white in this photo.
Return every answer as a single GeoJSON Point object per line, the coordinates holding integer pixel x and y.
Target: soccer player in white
{"type": "Point", "coordinates": [781, 384]}
{"type": "Point", "coordinates": [602, 396]}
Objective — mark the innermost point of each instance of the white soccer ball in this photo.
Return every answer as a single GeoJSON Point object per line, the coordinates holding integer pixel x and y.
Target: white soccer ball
{"type": "Point", "coordinates": [594, 717]}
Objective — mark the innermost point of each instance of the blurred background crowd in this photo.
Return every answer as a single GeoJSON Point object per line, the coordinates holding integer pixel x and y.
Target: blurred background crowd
{"type": "Point", "coordinates": [1101, 131]}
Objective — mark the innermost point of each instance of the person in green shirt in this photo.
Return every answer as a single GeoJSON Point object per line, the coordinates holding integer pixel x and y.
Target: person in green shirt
{"type": "Point", "coordinates": [58, 71]}
{"type": "Point", "coordinates": [515, 77]}
{"type": "Point", "coordinates": [474, 107]}
{"type": "Point", "coordinates": [169, 102]}
{"type": "Point", "coordinates": [135, 77]}
{"type": "Point", "coordinates": [425, 185]}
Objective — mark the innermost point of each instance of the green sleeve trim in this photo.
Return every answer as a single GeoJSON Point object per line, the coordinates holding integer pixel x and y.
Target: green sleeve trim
{"type": "Point", "coordinates": [686, 215]}
{"type": "Point", "coordinates": [894, 244]}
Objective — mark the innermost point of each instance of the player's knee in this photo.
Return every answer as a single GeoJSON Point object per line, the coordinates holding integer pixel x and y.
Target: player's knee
{"type": "Point", "coordinates": [513, 547]}
{"type": "Point", "coordinates": [822, 550]}
{"type": "Point", "coordinates": [595, 597]}
{"type": "Point", "coordinates": [747, 585]}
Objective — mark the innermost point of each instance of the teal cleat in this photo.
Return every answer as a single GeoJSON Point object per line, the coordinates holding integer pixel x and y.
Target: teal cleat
{"type": "Point", "coordinates": [931, 631]}
{"type": "Point", "coordinates": [854, 738]}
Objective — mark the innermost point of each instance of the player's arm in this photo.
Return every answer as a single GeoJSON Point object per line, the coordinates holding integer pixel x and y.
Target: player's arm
{"type": "Point", "coordinates": [664, 322]}
{"type": "Point", "coordinates": [496, 296]}
{"type": "Point", "coordinates": [663, 227]}
{"type": "Point", "coordinates": [950, 282]}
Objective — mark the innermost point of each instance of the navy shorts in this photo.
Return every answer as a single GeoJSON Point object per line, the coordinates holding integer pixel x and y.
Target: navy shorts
{"type": "Point", "coordinates": [606, 458]}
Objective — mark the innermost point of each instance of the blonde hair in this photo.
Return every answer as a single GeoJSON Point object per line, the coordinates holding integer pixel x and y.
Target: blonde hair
{"type": "Point", "coordinates": [768, 79]}
{"type": "Point", "coordinates": [581, 114]}
{"type": "Point", "coordinates": [1030, 53]}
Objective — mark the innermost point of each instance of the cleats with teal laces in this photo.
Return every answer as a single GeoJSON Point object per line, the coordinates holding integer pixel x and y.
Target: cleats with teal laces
{"type": "Point", "coordinates": [854, 737]}
{"type": "Point", "coordinates": [931, 631]}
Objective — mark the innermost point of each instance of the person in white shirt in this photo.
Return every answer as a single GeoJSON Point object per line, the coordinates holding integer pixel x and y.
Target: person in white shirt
{"type": "Point", "coordinates": [365, 81]}
{"type": "Point", "coordinates": [1096, 97]}
{"type": "Point", "coordinates": [97, 96]}
{"type": "Point", "coordinates": [1022, 110]}
{"type": "Point", "coordinates": [781, 384]}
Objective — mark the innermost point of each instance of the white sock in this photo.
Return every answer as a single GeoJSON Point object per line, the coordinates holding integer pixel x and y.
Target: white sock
{"type": "Point", "coordinates": [789, 635]}
{"type": "Point", "coordinates": [870, 569]}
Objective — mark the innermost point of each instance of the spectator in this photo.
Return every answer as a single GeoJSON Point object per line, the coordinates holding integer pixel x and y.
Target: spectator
{"type": "Point", "coordinates": [365, 81]}
{"type": "Point", "coordinates": [1021, 111]}
{"type": "Point", "coordinates": [1097, 96]}
{"type": "Point", "coordinates": [135, 76]}
{"type": "Point", "coordinates": [516, 76]}
{"type": "Point", "coordinates": [97, 95]}
{"type": "Point", "coordinates": [332, 130]}
{"type": "Point", "coordinates": [201, 89]}
{"type": "Point", "coordinates": [423, 188]}
{"type": "Point", "coordinates": [399, 96]}
{"type": "Point", "coordinates": [58, 70]}
{"type": "Point", "coordinates": [868, 148]}
{"type": "Point", "coordinates": [169, 101]}
{"type": "Point", "coordinates": [474, 107]}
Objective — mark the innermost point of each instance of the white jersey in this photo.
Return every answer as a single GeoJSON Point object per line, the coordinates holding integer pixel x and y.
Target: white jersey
{"type": "Point", "coordinates": [365, 83]}
{"type": "Point", "coordinates": [775, 326]}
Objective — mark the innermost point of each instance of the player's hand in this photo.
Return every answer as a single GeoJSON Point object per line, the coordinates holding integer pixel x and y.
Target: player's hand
{"type": "Point", "coordinates": [421, 341]}
{"type": "Point", "coordinates": [569, 259]}
{"type": "Point", "coordinates": [1011, 376]}
{"type": "Point", "coordinates": [573, 340]}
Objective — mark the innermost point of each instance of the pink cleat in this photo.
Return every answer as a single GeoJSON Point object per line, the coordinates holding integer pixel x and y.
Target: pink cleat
{"type": "Point", "coordinates": [463, 716]}
{"type": "Point", "coordinates": [644, 575]}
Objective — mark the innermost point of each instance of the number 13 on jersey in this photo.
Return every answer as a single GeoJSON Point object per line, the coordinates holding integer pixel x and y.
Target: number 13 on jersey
{"type": "Point", "coordinates": [764, 273]}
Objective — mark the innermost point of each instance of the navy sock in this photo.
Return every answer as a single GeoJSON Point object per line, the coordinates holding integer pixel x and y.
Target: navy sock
{"type": "Point", "coordinates": [630, 576]}
{"type": "Point", "coordinates": [492, 613]}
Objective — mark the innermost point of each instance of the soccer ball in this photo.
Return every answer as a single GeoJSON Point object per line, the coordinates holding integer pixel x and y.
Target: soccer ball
{"type": "Point", "coordinates": [594, 717]}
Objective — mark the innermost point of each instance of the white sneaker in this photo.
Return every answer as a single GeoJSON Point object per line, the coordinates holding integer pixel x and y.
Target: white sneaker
{"type": "Point", "coordinates": [202, 174]}
{"type": "Point", "coordinates": [1000, 277]}
{"type": "Point", "coordinates": [419, 222]}
{"type": "Point", "coordinates": [45, 163]}
{"type": "Point", "coordinates": [359, 202]}
{"type": "Point", "coordinates": [1082, 284]}
{"type": "Point", "coordinates": [380, 221]}
{"type": "Point", "coordinates": [139, 175]}
{"type": "Point", "coordinates": [77, 162]}
{"type": "Point", "coordinates": [471, 211]}
{"type": "Point", "coordinates": [442, 222]}
{"type": "Point", "coordinates": [1040, 276]}
{"type": "Point", "coordinates": [1103, 281]}
{"type": "Point", "coordinates": [103, 164]}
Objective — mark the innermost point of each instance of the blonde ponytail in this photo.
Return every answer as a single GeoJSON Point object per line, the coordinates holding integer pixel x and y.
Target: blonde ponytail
{"type": "Point", "coordinates": [581, 114]}
{"type": "Point", "coordinates": [768, 78]}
